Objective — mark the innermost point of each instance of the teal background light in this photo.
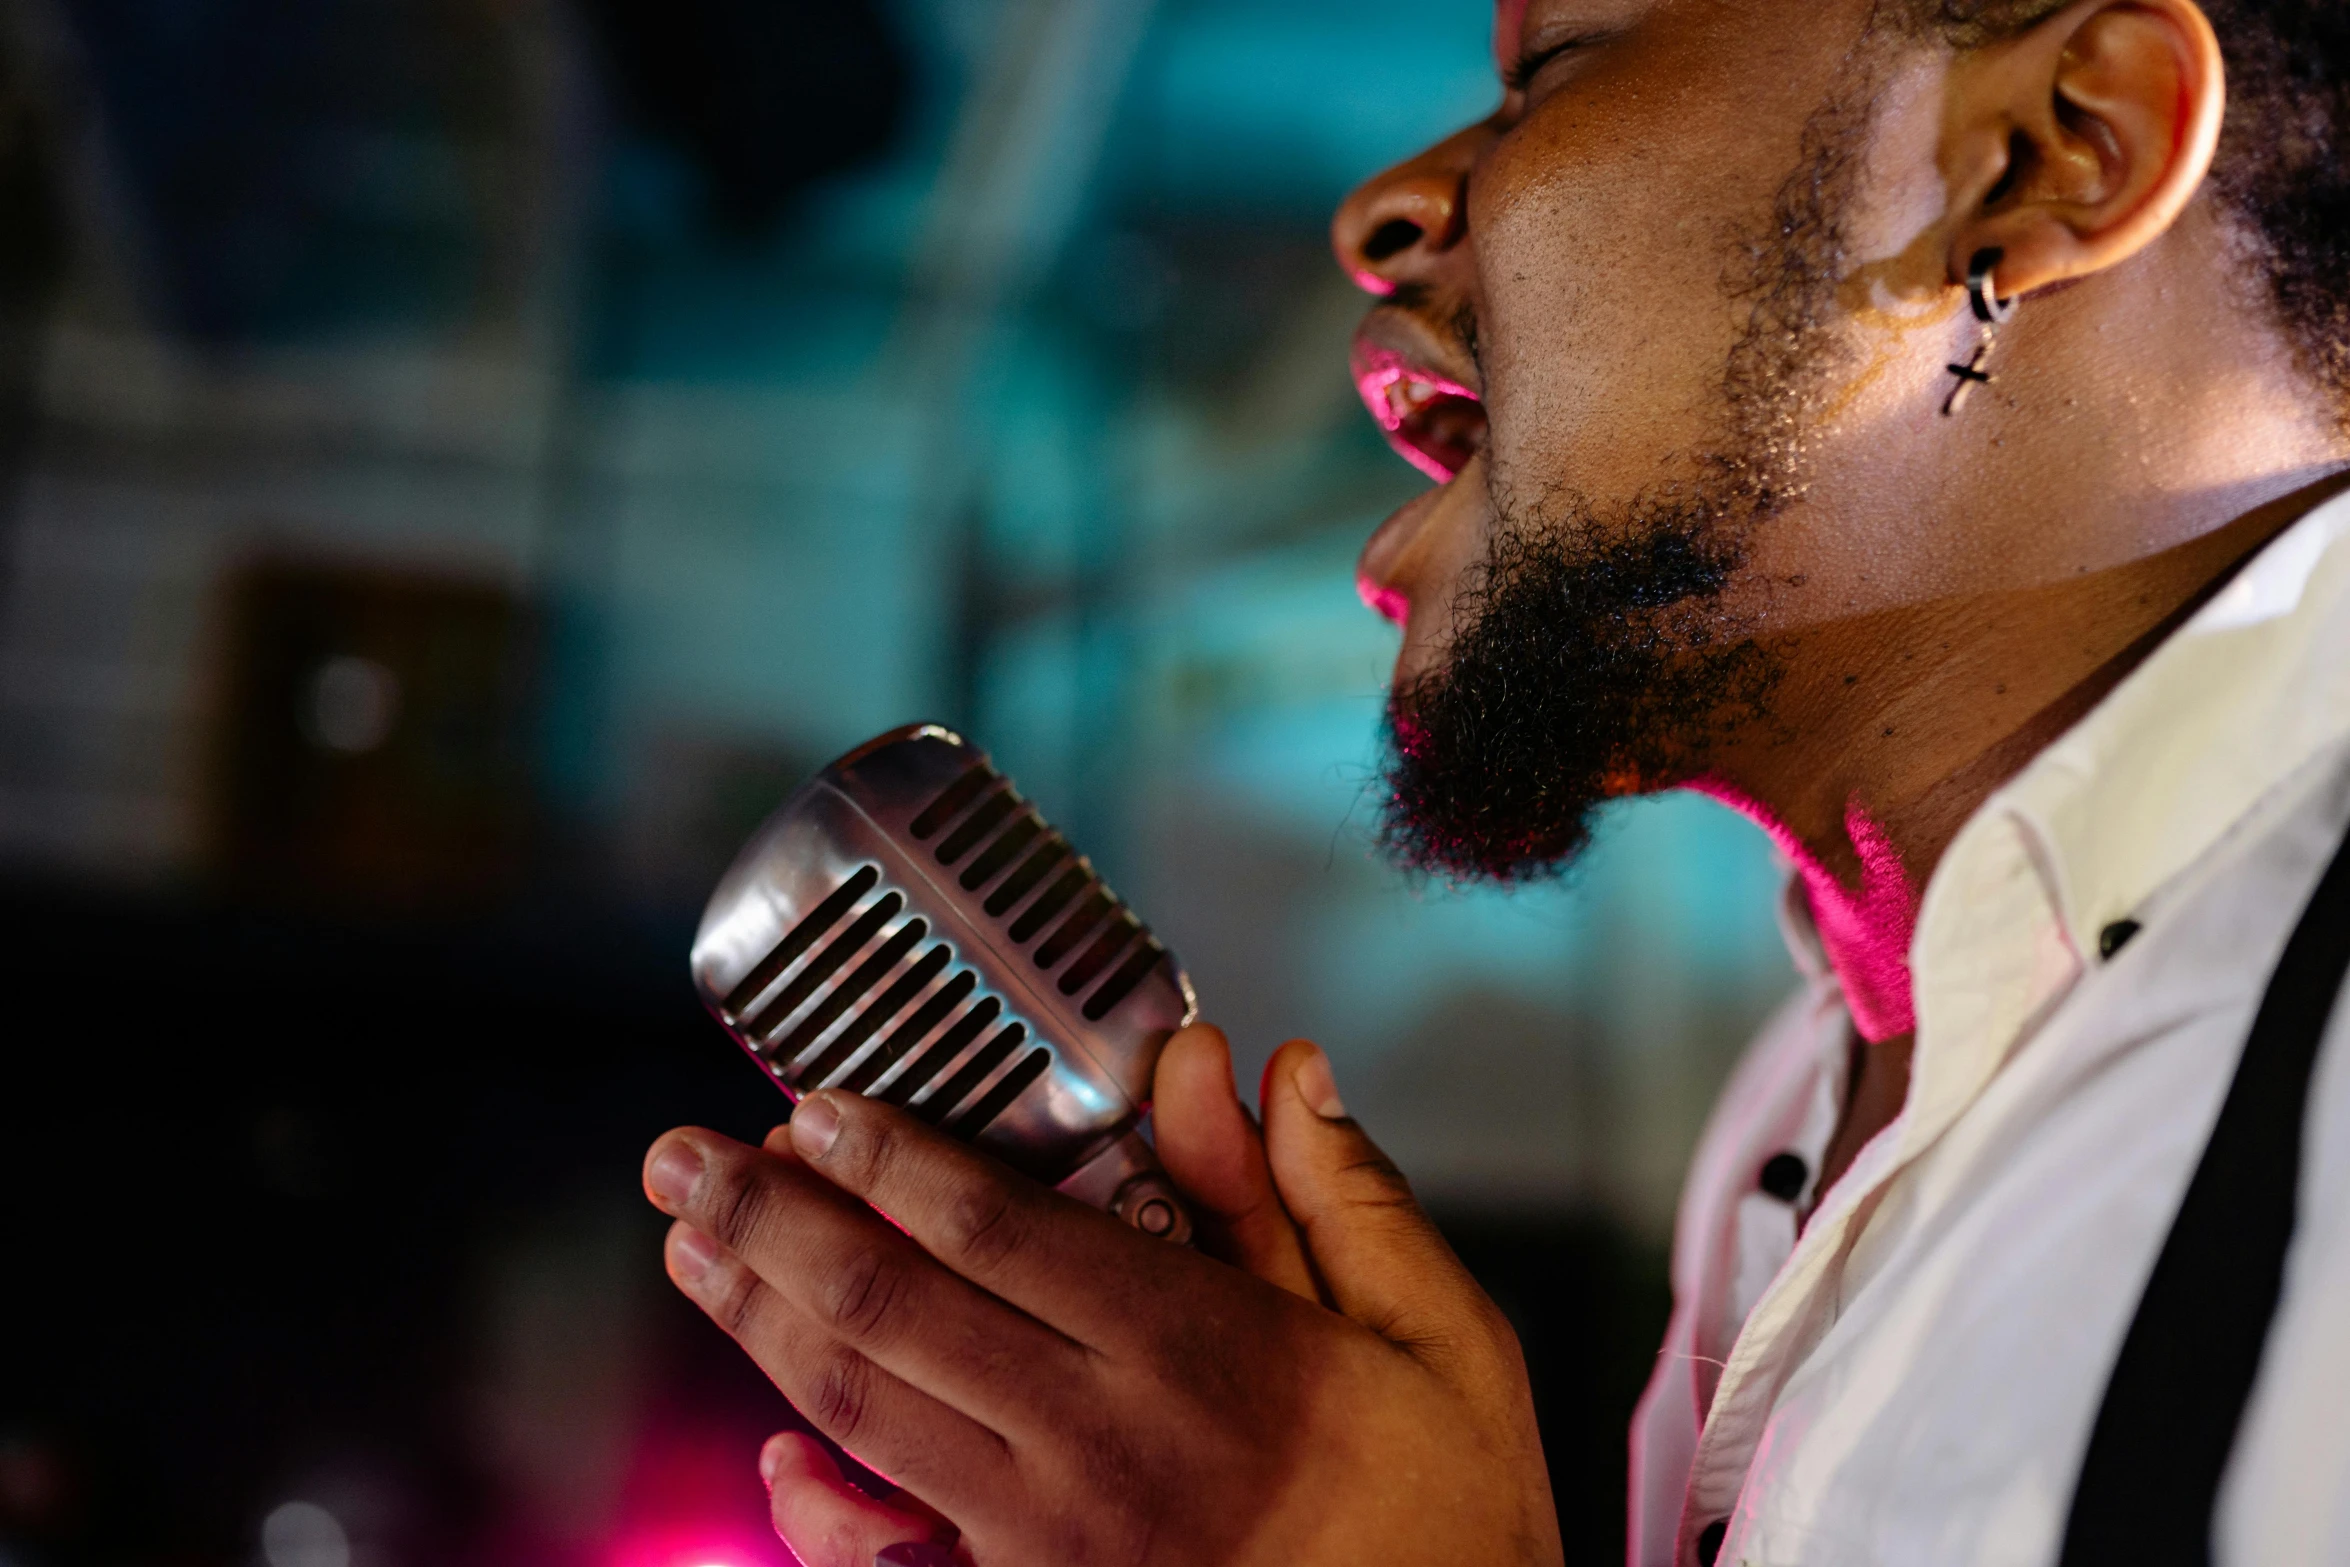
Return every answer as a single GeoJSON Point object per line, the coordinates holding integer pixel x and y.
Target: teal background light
{"type": "Point", "coordinates": [1034, 419]}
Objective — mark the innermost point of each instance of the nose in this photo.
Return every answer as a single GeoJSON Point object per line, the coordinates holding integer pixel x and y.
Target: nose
{"type": "Point", "coordinates": [1398, 225]}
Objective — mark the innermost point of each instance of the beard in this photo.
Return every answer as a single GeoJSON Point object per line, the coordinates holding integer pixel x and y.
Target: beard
{"type": "Point", "coordinates": [1594, 653]}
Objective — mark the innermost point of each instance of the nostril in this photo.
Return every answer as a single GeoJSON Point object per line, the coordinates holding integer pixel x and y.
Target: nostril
{"type": "Point", "coordinates": [1391, 238]}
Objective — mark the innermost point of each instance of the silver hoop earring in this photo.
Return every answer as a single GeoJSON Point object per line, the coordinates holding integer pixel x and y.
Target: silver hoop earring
{"type": "Point", "coordinates": [1993, 312]}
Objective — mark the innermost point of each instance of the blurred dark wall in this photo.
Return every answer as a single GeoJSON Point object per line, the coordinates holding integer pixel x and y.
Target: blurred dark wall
{"type": "Point", "coordinates": [372, 738]}
{"type": "Point", "coordinates": [264, 1176]}
{"type": "Point", "coordinates": [462, 461]}
{"type": "Point", "coordinates": [765, 96]}
{"type": "Point", "coordinates": [299, 1149]}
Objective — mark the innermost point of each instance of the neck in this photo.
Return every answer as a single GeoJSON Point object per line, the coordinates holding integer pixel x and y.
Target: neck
{"type": "Point", "coordinates": [1864, 927]}
{"type": "Point", "coordinates": [1951, 595]}
{"type": "Point", "coordinates": [1905, 738]}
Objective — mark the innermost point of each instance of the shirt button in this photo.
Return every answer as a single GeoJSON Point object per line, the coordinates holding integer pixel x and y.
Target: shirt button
{"type": "Point", "coordinates": [1709, 1541]}
{"type": "Point", "coordinates": [1783, 1175]}
{"type": "Point", "coordinates": [2116, 936]}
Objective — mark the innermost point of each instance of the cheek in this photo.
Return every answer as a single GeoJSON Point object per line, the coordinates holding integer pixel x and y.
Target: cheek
{"type": "Point", "coordinates": [1607, 323]}
{"type": "Point", "coordinates": [1609, 224]}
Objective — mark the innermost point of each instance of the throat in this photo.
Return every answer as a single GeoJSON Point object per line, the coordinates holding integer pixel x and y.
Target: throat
{"type": "Point", "coordinates": [1864, 927]}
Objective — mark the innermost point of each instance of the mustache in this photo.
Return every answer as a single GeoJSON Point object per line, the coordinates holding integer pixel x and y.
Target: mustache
{"type": "Point", "coordinates": [1455, 318]}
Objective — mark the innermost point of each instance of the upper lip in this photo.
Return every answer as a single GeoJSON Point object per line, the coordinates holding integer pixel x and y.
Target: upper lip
{"type": "Point", "coordinates": [1421, 390]}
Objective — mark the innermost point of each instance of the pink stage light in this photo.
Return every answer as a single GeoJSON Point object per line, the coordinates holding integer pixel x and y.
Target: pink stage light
{"type": "Point", "coordinates": [692, 1548]}
{"type": "Point", "coordinates": [692, 1498]}
{"type": "Point", "coordinates": [1865, 930]}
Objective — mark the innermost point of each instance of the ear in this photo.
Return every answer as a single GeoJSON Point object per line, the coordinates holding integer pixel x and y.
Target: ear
{"type": "Point", "coordinates": [2074, 145]}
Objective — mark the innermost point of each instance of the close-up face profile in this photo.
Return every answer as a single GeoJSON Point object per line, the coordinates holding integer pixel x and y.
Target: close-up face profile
{"type": "Point", "coordinates": [1675, 329]}
{"type": "Point", "coordinates": [1718, 939]}
{"type": "Point", "coordinates": [1608, 316]}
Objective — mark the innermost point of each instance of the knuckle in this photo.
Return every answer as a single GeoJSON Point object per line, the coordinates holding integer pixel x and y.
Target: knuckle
{"type": "Point", "coordinates": [736, 1304]}
{"type": "Point", "coordinates": [1498, 1333]}
{"type": "Point", "coordinates": [737, 1203]}
{"type": "Point", "coordinates": [1380, 1180]}
{"type": "Point", "coordinates": [842, 1398]}
{"type": "Point", "coordinates": [860, 1298]}
{"type": "Point", "coordinates": [863, 1148]}
{"type": "Point", "coordinates": [982, 1224]}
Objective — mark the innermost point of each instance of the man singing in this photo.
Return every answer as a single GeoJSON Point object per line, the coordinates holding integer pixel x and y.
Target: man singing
{"type": "Point", "coordinates": [1915, 424]}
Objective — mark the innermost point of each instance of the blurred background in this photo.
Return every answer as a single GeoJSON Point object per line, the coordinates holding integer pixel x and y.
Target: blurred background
{"type": "Point", "coordinates": [461, 462]}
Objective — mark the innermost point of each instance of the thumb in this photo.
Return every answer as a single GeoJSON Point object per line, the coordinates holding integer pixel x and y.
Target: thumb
{"type": "Point", "coordinates": [1214, 1152]}
{"type": "Point", "coordinates": [1381, 1259]}
{"type": "Point", "coordinates": [829, 1522]}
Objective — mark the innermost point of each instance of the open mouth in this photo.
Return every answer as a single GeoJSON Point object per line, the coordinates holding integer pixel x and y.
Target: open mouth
{"type": "Point", "coordinates": [1434, 423]}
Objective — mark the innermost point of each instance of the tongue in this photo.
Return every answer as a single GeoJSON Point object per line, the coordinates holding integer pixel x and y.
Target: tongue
{"type": "Point", "coordinates": [1442, 435]}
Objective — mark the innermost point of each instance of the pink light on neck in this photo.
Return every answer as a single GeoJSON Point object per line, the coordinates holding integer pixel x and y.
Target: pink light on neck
{"type": "Point", "coordinates": [1865, 931]}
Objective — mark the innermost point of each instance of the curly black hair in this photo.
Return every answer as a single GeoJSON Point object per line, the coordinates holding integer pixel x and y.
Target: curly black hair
{"type": "Point", "coordinates": [2280, 172]}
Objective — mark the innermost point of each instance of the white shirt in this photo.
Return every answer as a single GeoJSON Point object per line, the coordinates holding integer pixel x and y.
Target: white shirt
{"type": "Point", "coordinates": [1914, 1380]}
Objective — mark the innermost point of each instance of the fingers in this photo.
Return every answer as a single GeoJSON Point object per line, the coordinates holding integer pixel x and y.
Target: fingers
{"type": "Point", "coordinates": [1381, 1260]}
{"type": "Point", "coordinates": [828, 1522]}
{"type": "Point", "coordinates": [1215, 1153]}
{"type": "Point", "coordinates": [1072, 1268]}
{"type": "Point", "coordinates": [893, 1427]}
{"type": "Point", "coordinates": [783, 1233]}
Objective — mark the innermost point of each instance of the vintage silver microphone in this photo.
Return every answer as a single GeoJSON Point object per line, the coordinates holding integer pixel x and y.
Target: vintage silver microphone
{"type": "Point", "coordinates": [907, 927]}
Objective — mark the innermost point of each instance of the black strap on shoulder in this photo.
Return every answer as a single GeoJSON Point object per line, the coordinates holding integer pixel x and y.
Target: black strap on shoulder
{"type": "Point", "coordinates": [2151, 1480]}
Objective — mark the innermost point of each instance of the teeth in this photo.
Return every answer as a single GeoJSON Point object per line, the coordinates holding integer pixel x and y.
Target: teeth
{"type": "Point", "coordinates": [1406, 398]}
{"type": "Point", "coordinates": [1397, 393]}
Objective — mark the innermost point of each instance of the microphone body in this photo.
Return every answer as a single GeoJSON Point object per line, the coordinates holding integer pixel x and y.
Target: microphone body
{"type": "Point", "coordinates": [907, 927]}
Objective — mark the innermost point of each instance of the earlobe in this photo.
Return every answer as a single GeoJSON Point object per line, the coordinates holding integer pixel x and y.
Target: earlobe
{"type": "Point", "coordinates": [2083, 139]}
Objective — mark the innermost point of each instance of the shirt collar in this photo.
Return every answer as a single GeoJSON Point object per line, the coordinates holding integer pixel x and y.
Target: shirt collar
{"type": "Point", "coordinates": [1801, 933]}
{"type": "Point", "coordinates": [2229, 706]}
{"type": "Point", "coordinates": [2232, 704]}
{"type": "Point", "coordinates": [2235, 702]}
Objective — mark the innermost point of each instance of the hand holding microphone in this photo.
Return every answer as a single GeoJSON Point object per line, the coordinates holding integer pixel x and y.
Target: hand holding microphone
{"type": "Point", "coordinates": [1049, 1382]}
{"type": "Point", "coordinates": [1068, 1391]}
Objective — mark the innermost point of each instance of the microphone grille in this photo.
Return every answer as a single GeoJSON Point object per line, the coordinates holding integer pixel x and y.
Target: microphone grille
{"type": "Point", "coordinates": [908, 926]}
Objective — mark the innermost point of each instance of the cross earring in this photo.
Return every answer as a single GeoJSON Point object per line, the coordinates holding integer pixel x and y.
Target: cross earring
{"type": "Point", "coordinates": [1992, 311]}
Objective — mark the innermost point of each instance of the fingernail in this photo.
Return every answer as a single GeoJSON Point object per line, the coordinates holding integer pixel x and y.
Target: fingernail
{"type": "Point", "coordinates": [1319, 1089]}
{"type": "Point", "coordinates": [695, 1252]}
{"type": "Point", "coordinates": [814, 1124]}
{"type": "Point", "coordinates": [675, 1170]}
{"type": "Point", "coordinates": [770, 1460]}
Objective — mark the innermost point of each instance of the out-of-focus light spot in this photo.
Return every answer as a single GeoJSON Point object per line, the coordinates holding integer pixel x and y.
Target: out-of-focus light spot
{"type": "Point", "coordinates": [304, 1534]}
{"type": "Point", "coordinates": [351, 705]}
{"type": "Point", "coordinates": [694, 1549]}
